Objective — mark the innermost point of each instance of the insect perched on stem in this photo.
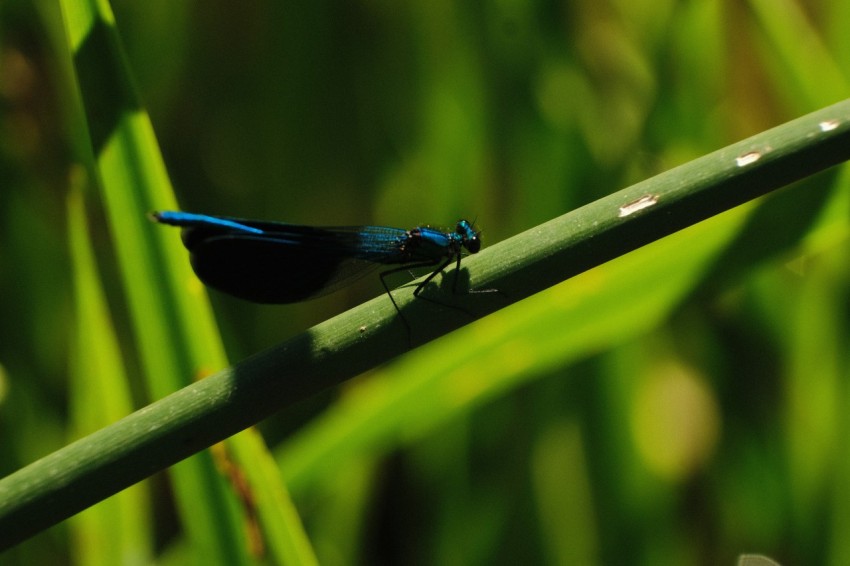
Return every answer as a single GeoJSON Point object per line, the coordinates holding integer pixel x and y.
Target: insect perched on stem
{"type": "Point", "coordinates": [276, 262]}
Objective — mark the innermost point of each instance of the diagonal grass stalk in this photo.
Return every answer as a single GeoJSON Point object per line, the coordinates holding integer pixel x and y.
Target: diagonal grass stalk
{"type": "Point", "coordinates": [213, 409]}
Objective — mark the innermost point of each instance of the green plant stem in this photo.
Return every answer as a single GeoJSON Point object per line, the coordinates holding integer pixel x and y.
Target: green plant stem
{"type": "Point", "coordinates": [215, 408]}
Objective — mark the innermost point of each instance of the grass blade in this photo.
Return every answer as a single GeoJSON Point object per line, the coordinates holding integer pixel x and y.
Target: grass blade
{"type": "Point", "coordinates": [176, 332]}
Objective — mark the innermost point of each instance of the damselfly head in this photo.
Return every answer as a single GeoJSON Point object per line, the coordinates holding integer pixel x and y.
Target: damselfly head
{"type": "Point", "coordinates": [470, 237]}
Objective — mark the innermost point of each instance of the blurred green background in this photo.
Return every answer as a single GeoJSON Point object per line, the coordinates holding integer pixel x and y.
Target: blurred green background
{"type": "Point", "coordinates": [715, 430]}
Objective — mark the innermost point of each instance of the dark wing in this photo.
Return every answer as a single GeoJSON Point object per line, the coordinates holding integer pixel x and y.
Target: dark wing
{"type": "Point", "coordinates": [285, 263]}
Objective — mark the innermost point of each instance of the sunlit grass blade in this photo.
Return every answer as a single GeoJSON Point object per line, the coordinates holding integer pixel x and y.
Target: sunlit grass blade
{"type": "Point", "coordinates": [132, 178]}
{"type": "Point", "coordinates": [809, 75]}
{"type": "Point", "coordinates": [174, 325]}
{"type": "Point", "coordinates": [117, 530]}
{"type": "Point", "coordinates": [276, 516]}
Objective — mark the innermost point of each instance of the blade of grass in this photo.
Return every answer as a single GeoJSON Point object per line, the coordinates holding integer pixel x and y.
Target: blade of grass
{"type": "Point", "coordinates": [810, 74]}
{"type": "Point", "coordinates": [206, 412]}
{"type": "Point", "coordinates": [118, 130]}
{"type": "Point", "coordinates": [116, 531]}
{"type": "Point", "coordinates": [176, 331]}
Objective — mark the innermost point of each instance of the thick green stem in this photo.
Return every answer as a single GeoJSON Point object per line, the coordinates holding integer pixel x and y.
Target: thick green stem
{"type": "Point", "coordinates": [215, 408]}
